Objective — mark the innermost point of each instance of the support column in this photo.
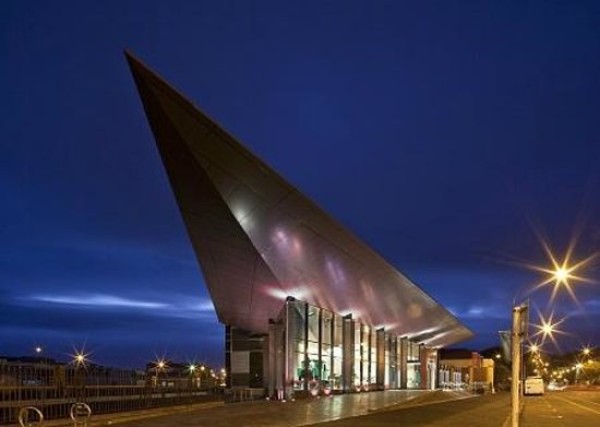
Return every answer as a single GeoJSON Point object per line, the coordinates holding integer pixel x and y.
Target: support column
{"type": "Point", "coordinates": [423, 369]}
{"type": "Point", "coordinates": [394, 363]}
{"type": "Point", "coordinates": [348, 353]}
{"type": "Point", "coordinates": [402, 362]}
{"type": "Point", "coordinates": [228, 356]}
{"type": "Point", "coordinates": [380, 359]}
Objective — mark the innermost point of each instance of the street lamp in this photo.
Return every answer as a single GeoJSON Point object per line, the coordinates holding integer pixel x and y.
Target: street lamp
{"type": "Point", "coordinates": [80, 358]}
{"type": "Point", "coordinates": [159, 365]}
{"type": "Point", "coordinates": [548, 327]}
{"type": "Point", "coordinates": [563, 274]}
{"type": "Point", "coordinates": [192, 370]}
{"type": "Point", "coordinates": [578, 367]}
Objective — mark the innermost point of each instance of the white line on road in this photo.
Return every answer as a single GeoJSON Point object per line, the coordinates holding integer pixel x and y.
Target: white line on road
{"type": "Point", "coordinates": [577, 404]}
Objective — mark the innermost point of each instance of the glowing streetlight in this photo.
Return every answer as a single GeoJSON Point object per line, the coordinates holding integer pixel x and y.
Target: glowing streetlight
{"type": "Point", "coordinates": [586, 351]}
{"type": "Point", "coordinates": [38, 349]}
{"type": "Point", "coordinates": [548, 328]}
{"type": "Point", "coordinates": [577, 368]}
{"type": "Point", "coordinates": [159, 365]}
{"type": "Point", "coordinates": [80, 358]}
{"type": "Point", "coordinates": [563, 274]}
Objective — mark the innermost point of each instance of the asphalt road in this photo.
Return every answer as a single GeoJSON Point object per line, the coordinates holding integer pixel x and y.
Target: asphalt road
{"type": "Point", "coordinates": [555, 409]}
{"type": "Point", "coordinates": [562, 409]}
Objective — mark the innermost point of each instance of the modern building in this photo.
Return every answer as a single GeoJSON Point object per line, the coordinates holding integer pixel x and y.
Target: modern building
{"type": "Point", "coordinates": [308, 307]}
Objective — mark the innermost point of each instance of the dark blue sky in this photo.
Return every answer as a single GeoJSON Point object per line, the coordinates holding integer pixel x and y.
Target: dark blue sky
{"type": "Point", "coordinates": [442, 133]}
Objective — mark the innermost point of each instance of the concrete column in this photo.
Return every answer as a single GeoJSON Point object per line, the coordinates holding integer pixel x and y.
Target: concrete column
{"type": "Point", "coordinates": [423, 359]}
{"type": "Point", "coordinates": [380, 359]}
{"type": "Point", "coordinates": [402, 362]}
{"type": "Point", "coordinates": [348, 353]}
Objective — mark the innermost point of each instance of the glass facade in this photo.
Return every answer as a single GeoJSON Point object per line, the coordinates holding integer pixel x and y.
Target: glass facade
{"type": "Point", "coordinates": [321, 351]}
{"type": "Point", "coordinates": [326, 347]}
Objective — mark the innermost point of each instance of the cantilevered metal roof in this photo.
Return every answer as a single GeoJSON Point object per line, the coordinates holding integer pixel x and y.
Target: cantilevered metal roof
{"type": "Point", "coordinates": [258, 239]}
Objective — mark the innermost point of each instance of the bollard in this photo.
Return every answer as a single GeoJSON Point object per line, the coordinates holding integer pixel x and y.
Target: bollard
{"type": "Point", "coordinates": [80, 414]}
{"type": "Point", "coordinates": [24, 417]}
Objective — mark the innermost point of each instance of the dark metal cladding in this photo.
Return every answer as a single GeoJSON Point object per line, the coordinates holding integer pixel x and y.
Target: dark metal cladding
{"type": "Point", "coordinates": [259, 240]}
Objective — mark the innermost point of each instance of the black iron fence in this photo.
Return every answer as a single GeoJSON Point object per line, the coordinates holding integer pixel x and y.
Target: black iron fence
{"type": "Point", "coordinates": [53, 389]}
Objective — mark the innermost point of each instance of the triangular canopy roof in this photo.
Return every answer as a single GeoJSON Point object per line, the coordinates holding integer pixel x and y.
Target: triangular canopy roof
{"type": "Point", "coordinates": [258, 239]}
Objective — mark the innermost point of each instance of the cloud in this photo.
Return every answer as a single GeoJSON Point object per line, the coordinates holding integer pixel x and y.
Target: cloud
{"type": "Point", "coordinates": [120, 331]}
{"type": "Point", "coordinates": [177, 306]}
{"type": "Point", "coordinates": [98, 301]}
{"type": "Point", "coordinates": [478, 311]}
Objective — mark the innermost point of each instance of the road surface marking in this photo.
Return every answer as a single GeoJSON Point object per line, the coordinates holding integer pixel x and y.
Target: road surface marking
{"type": "Point", "coordinates": [578, 405]}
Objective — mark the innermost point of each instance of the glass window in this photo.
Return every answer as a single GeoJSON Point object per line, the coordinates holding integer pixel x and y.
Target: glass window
{"type": "Point", "coordinates": [297, 325]}
{"type": "Point", "coordinates": [326, 351]}
{"type": "Point", "coordinates": [327, 326]}
{"type": "Point", "coordinates": [313, 323]}
{"type": "Point", "coordinates": [413, 375]}
{"type": "Point", "coordinates": [412, 351]}
{"type": "Point", "coordinates": [298, 319]}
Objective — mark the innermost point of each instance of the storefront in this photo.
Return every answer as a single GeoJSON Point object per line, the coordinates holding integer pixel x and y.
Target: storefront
{"type": "Point", "coordinates": [312, 350]}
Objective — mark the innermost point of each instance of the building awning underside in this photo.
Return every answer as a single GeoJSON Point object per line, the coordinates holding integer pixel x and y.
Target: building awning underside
{"type": "Point", "coordinates": [259, 240]}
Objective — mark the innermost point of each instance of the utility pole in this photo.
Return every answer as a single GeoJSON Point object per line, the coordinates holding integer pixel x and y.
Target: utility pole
{"type": "Point", "coordinates": [519, 329]}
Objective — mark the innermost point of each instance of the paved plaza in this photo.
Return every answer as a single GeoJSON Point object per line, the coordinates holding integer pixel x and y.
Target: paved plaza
{"type": "Point", "coordinates": [288, 414]}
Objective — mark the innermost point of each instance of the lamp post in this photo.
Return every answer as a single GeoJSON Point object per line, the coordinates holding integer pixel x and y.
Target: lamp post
{"type": "Point", "coordinates": [192, 370]}
{"type": "Point", "coordinates": [578, 367]}
{"type": "Point", "coordinates": [159, 365]}
{"type": "Point", "coordinates": [80, 360]}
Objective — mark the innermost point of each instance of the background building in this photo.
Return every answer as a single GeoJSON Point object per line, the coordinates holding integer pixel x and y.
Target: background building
{"type": "Point", "coordinates": [467, 369]}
